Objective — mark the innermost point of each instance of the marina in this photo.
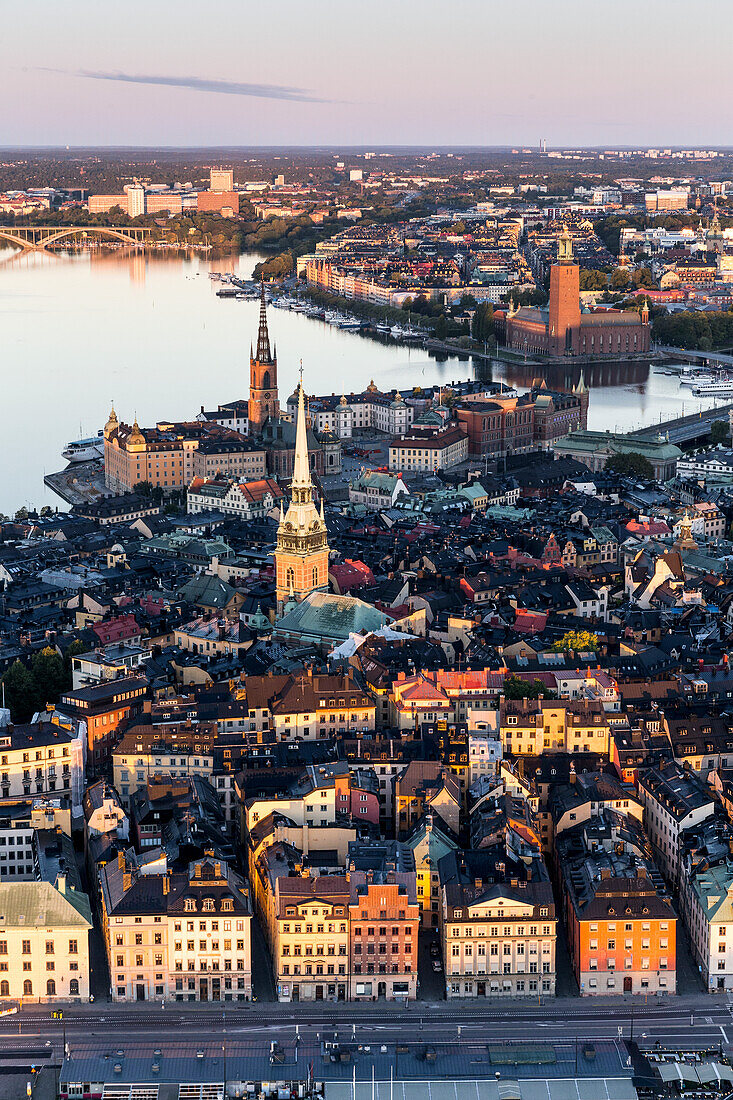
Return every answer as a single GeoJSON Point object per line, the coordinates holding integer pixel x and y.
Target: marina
{"type": "Point", "coordinates": [152, 324]}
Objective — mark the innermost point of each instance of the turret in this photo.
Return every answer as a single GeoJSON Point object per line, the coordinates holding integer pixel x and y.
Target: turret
{"type": "Point", "coordinates": [112, 423]}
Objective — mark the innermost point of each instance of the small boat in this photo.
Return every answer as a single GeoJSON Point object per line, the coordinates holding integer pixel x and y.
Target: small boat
{"type": "Point", "coordinates": [84, 450]}
{"type": "Point", "coordinates": [695, 377]}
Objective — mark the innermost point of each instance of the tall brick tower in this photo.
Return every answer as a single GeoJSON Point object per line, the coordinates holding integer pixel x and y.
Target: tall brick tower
{"type": "Point", "coordinates": [263, 399]}
{"type": "Point", "coordinates": [564, 318]}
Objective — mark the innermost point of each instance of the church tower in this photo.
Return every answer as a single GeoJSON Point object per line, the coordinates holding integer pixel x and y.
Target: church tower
{"type": "Point", "coordinates": [301, 553]}
{"type": "Point", "coordinates": [263, 399]}
{"type": "Point", "coordinates": [564, 312]}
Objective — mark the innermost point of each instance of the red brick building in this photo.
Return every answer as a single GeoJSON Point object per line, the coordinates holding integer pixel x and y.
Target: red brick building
{"type": "Point", "coordinates": [384, 921]}
{"type": "Point", "coordinates": [263, 398]}
{"type": "Point", "coordinates": [516, 425]}
{"type": "Point", "coordinates": [218, 202]}
{"type": "Point", "coordinates": [562, 328]}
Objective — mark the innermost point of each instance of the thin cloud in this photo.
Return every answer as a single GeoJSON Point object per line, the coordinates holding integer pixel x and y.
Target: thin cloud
{"type": "Point", "coordinates": [197, 84]}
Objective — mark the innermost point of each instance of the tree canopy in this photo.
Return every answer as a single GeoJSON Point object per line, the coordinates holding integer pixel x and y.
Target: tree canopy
{"type": "Point", "coordinates": [27, 690]}
{"type": "Point", "coordinates": [700, 331]}
{"type": "Point", "coordinates": [579, 641]}
{"type": "Point", "coordinates": [516, 688]}
{"type": "Point", "coordinates": [631, 465]}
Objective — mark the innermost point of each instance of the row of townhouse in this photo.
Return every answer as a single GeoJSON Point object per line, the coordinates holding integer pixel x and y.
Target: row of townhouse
{"type": "Point", "coordinates": [176, 935]}
{"type": "Point", "coordinates": [308, 705]}
{"type": "Point", "coordinates": [344, 934]}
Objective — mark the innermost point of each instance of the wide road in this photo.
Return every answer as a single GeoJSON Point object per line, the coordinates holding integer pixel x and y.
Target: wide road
{"type": "Point", "coordinates": [695, 1022]}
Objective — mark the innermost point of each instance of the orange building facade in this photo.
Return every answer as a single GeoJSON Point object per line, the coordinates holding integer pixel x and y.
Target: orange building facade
{"type": "Point", "coordinates": [631, 948]}
{"type": "Point", "coordinates": [621, 925]}
{"type": "Point", "coordinates": [103, 706]}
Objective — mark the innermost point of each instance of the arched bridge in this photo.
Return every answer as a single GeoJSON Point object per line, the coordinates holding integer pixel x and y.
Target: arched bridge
{"type": "Point", "coordinates": [36, 238]}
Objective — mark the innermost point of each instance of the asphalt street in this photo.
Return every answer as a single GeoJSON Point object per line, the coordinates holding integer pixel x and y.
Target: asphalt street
{"type": "Point", "coordinates": [689, 1022]}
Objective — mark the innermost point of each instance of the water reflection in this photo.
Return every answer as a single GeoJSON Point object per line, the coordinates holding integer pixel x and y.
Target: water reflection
{"type": "Point", "coordinates": [147, 329]}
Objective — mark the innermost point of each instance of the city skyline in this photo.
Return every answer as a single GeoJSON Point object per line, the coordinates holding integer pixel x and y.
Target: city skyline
{"type": "Point", "coordinates": [247, 79]}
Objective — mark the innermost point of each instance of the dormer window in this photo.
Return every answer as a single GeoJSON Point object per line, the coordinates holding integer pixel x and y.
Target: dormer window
{"type": "Point", "coordinates": [189, 905]}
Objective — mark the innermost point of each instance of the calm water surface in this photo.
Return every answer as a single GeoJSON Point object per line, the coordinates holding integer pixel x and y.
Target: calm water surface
{"type": "Point", "coordinates": [148, 332]}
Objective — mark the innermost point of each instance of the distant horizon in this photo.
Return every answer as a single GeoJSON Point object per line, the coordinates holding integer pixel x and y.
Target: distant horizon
{"type": "Point", "coordinates": [336, 147]}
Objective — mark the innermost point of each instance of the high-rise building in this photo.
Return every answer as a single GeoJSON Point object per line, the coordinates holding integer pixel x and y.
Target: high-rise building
{"type": "Point", "coordinates": [263, 399]}
{"type": "Point", "coordinates": [221, 179]}
{"type": "Point", "coordinates": [301, 554]}
{"type": "Point", "coordinates": [136, 203]}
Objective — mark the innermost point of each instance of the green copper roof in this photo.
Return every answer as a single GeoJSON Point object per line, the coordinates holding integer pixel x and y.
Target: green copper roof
{"type": "Point", "coordinates": [41, 905]}
{"type": "Point", "coordinates": [324, 616]}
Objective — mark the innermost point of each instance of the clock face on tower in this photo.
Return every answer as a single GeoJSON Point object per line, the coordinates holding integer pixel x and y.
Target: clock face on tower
{"type": "Point", "coordinates": [267, 396]}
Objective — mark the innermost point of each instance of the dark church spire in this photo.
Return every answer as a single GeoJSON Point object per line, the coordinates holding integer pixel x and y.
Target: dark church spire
{"type": "Point", "coordinates": [263, 337]}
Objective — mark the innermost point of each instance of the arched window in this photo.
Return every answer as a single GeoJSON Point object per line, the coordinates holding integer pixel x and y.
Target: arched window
{"type": "Point", "coordinates": [74, 987]}
{"type": "Point", "coordinates": [266, 380]}
{"type": "Point", "coordinates": [50, 988]}
{"type": "Point", "coordinates": [289, 578]}
{"type": "Point", "coordinates": [315, 576]}
{"type": "Point", "coordinates": [27, 988]}
{"type": "Point", "coordinates": [4, 989]}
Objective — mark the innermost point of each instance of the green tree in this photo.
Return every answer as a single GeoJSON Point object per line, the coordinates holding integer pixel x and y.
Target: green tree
{"type": "Point", "coordinates": [71, 651]}
{"type": "Point", "coordinates": [620, 277]}
{"type": "Point", "coordinates": [147, 489]}
{"type": "Point", "coordinates": [719, 432]}
{"type": "Point", "coordinates": [630, 465]}
{"type": "Point", "coordinates": [49, 675]}
{"type": "Point", "coordinates": [591, 279]}
{"type": "Point", "coordinates": [20, 692]}
{"type": "Point", "coordinates": [643, 277]}
{"type": "Point", "coordinates": [579, 641]}
{"type": "Point", "coordinates": [483, 322]}
{"type": "Point", "coordinates": [516, 688]}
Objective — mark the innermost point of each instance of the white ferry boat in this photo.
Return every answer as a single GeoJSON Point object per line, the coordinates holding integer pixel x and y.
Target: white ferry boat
{"type": "Point", "coordinates": [721, 388]}
{"type": "Point", "coordinates": [84, 450]}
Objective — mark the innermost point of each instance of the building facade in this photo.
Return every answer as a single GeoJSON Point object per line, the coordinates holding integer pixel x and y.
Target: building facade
{"type": "Point", "coordinates": [384, 922]}
{"type": "Point", "coordinates": [499, 940]}
{"type": "Point", "coordinates": [44, 942]}
{"type": "Point", "coordinates": [429, 450]}
{"type": "Point", "coordinates": [182, 936]}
